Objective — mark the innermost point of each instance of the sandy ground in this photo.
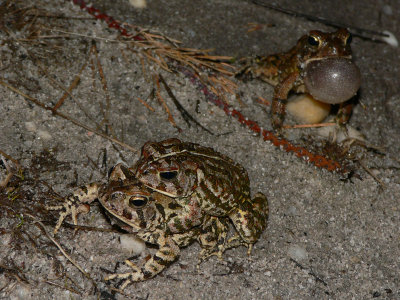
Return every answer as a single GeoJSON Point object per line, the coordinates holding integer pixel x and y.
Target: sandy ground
{"type": "Point", "coordinates": [327, 238]}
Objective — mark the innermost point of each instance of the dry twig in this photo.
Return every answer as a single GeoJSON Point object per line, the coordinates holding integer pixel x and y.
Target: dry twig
{"type": "Point", "coordinates": [145, 104]}
{"type": "Point", "coordinates": [308, 125]}
{"type": "Point", "coordinates": [87, 275]}
{"type": "Point", "coordinates": [185, 115]}
{"type": "Point", "coordinates": [163, 103]}
{"type": "Point", "coordinates": [10, 171]}
{"type": "Point", "coordinates": [66, 117]}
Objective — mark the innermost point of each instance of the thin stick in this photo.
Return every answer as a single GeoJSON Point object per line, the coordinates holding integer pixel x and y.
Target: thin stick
{"type": "Point", "coordinates": [105, 90]}
{"type": "Point", "coordinates": [6, 180]}
{"type": "Point", "coordinates": [63, 287]}
{"type": "Point", "coordinates": [157, 61]}
{"type": "Point", "coordinates": [164, 104]}
{"type": "Point", "coordinates": [72, 86]}
{"type": "Point", "coordinates": [309, 125]}
{"type": "Point", "coordinates": [67, 92]}
{"type": "Point", "coordinates": [264, 101]}
{"type": "Point", "coordinates": [185, 115]}
{"type": "Point", "coordinates": [368, 170]}
{"type": "Point", "coordinates": [145, 104]}
{"type": "Point", "coordinates": [325, 21]}
{"type": "Point", "coordinates": [16, 162]}
{"type": "Point", "coordinates": [85, 35]}
{"type": "Point", "coordinates": [64, 252]}
{"type": "Point", "coordinates": [11, 173]}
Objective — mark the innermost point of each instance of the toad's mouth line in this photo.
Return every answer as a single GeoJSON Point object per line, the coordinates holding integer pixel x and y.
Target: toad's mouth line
{"type": "Point", "coordinates": [326, 58]}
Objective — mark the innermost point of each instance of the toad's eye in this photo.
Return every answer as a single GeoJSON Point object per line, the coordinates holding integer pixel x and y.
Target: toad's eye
{"type": "Point", "coordinates": [168, 175]}
{"type": "Point", "coordinates": [138, 201]}
{"type": "Point", "coordinates": [313, 40]}
{"type": "Point", "coordinates": [348, 39]}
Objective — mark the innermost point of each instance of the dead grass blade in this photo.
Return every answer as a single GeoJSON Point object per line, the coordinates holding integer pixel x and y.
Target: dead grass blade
{"type": "Point", "coordinates": [164, 104]}
{"type": "Point", "coordinates": [309, 125]}
{"type": "Point", "coordinates": [185, 114]}
{"type": "Point", "coordinates": [71, 87]}
{"type": "Point", "coordinates": [68, 118]}
{"type": "Point", "coordinates": [87, 275]}
{"type": "Point", "coordinates": [145, 104]}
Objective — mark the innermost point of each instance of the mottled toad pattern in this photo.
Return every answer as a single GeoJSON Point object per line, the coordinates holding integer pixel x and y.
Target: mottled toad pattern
{"type": "Point", "coordinates": [197, 175]}
{"type": "Point", "coordinates": [147, 214]}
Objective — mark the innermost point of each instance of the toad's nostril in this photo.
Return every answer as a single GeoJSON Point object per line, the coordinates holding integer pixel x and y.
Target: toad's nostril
{"type": "Point", "coordinates": [332, 80]}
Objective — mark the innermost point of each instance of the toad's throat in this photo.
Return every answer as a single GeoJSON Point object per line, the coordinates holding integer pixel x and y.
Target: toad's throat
{"type": "Point", "coordinates": [332, 80]}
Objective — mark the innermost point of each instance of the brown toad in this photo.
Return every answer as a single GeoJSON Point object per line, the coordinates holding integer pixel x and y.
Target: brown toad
{"type": "Point", "coordinates": [191, 174]}
{"type": "Point", "coordinates": [320, 64]}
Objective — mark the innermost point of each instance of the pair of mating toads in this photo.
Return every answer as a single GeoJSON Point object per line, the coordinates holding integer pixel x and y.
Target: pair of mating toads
{"type": "Point", "coordinates": [176, 193]}
{"type": "Point", "coordinates": [180, 192]}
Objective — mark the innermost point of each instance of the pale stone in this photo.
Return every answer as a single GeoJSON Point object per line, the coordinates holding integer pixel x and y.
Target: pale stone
{"type": "Point", "coordinates": [132, 244]}
{"type": "Point", "coordinates": [138, 3]}
{"type": "Point", "coordinates": [297, 252]}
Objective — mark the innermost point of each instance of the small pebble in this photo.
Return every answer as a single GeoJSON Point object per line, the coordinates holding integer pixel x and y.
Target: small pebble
{"type": "Point", "coordinates": [142, 119]}
{"type": "Point", "coordinates": [30, 126]}
{"type": "Point", "coordinates": [132, 244]}
{"type": "Point", "coordinates": [387, 9]}
{"type": "Point", "coordinates": [291, 211]}
{"type": "Point", "coordinates": [297, 253]}
{"type": "Point", "coordinates": [44, 135]}
{"type": "Point", "coordinates": [138, 3]}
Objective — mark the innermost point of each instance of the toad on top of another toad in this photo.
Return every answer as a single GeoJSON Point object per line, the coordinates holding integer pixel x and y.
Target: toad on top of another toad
{"type": "Point", "coordinates": [200, 176]}
{"type": "Point", "coordinates": [151, 217]}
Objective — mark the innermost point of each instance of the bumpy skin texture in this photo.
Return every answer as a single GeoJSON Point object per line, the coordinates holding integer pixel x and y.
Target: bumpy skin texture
{"type": "Point", "coordinates": [191, 173]}
{"type": "Point", "coordinates": [287, 71]}
{"type": "Point", "coordinates": [148, 215]}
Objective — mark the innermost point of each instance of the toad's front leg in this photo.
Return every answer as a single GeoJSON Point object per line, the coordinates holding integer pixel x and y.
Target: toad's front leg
{"type": "Point", "coordinates": [167, 253]}
{"type": "Point", "coordinates": [344, 112]}
{"type": "Point", "coordinates": [279, 101]}
{"type": "Point", "coordinates": [76, 203]}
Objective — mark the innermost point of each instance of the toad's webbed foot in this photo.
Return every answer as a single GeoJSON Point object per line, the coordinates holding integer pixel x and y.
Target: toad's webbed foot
{"type": "Point", "coordinates": [75, 204]}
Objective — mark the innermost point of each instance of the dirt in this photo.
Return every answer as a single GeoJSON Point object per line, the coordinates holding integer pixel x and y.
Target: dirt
{"type": "Point", "coordinates": [329, 236]}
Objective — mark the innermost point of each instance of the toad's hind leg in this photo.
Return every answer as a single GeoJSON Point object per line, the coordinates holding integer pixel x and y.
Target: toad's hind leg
{"type": "Point", "coordinates": [250, 220]}
{"type": "Point", "coordinates": [212, 238]}
{"type": "Point", "coordinates": [344, 112]}
{"type": "Point", "coordinates": [167, 253]}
